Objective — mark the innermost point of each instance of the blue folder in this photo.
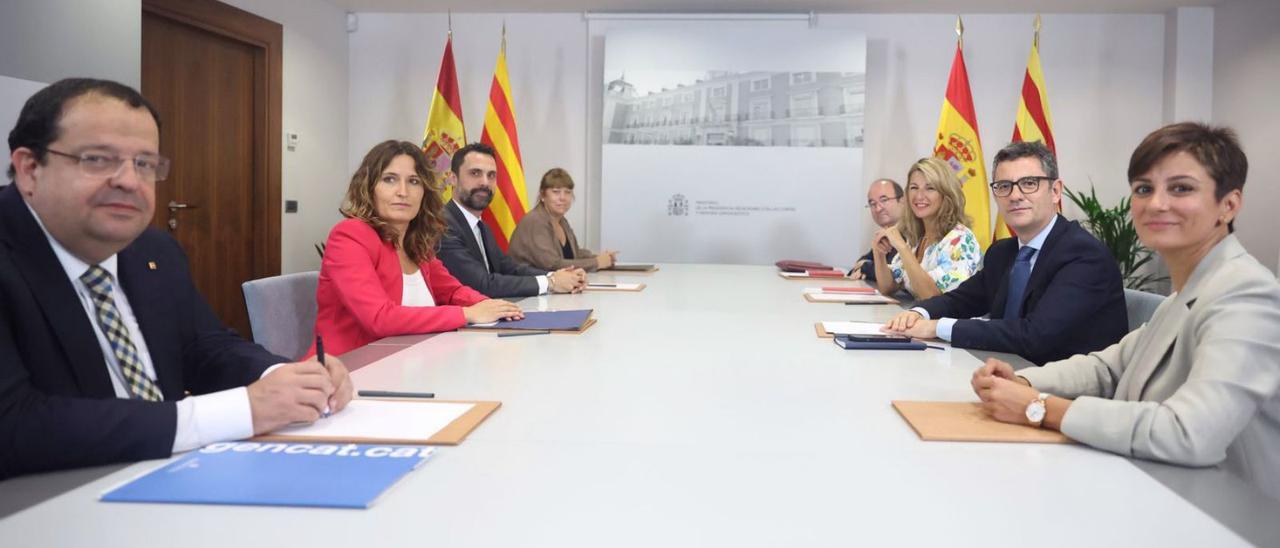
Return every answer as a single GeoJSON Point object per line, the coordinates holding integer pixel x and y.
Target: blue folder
{"type": "Point", "coordinates": [844, 342]}
{"type": "Point", "coordinates": [276, 474]}
{"type": "Point", "coordinates": [559, 320]}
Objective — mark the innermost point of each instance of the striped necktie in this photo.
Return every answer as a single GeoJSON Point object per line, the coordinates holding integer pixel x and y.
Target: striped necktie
{"type": "Point", "coordinates": [140, 386]}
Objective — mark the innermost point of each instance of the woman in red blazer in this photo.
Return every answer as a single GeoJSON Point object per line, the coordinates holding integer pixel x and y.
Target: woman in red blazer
{"type": "Point", "coordinates": [377, 260]}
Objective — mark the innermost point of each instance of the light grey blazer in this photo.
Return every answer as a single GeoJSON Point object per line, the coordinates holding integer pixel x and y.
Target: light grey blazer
{"type": "Point", "coordinates": [1197, 385]}
{"type": "Point", "coordinates": [534, 242]}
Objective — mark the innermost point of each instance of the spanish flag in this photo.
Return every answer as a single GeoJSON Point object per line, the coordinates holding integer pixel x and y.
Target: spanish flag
{"type": "Point", "coordinates": [1033, 122]}
{"type": "Point", "coordinates": [959, 146]}
{"type": "Point", "coordinates": [509, 200]}
{"type": "Point", "coordinates": [444, 133]}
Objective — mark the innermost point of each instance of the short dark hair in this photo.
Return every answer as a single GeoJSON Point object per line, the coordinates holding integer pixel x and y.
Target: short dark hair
{"type": "Point", "coordinates": [458, 157]}
{"type": "Point", "coordinates": [1215, 147]}
{"type": "Point", "coordinates": [38, 122]}
{"type": "Point", "coordinates": [1028, 149]}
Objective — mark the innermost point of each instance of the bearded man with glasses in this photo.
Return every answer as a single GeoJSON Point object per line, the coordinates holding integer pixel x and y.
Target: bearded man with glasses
{"type": "Point", "coordinates": [1052, 292]}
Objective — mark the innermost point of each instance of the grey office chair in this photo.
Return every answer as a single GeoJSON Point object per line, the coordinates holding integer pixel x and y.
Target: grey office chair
{"type": "Point", "coordinates": [282, 312]}
{"type": "Point", "coordinates": [1140, 306]}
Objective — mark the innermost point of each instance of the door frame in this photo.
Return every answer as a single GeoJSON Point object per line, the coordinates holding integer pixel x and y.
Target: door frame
{"type": "Point", "coordinates": [267, 37]}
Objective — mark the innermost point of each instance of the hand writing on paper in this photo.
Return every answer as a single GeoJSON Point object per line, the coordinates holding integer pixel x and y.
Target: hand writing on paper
{"type": "Point", "coordinates": [294, 392]}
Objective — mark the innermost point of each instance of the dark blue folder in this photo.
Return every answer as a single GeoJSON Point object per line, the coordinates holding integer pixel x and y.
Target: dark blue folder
{"type": "Point", "coordinates": [559, 320]}
{"type": "Point", "coordinates": [276, 474]}
{"type": "Point", "coordinates": [843, 342]}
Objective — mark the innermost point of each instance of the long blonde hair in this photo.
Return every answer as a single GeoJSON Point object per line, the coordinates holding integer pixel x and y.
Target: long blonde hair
{"type": "Point", "coordinates": [936, 172]}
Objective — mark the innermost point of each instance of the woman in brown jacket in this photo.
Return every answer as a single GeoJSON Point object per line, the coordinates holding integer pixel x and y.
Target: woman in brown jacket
{"type": "Point", "coordinates": [543, 238]}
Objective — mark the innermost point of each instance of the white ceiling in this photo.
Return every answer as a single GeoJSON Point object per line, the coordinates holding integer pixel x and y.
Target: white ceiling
{"type": "Point", "coordinates": [773, 6]}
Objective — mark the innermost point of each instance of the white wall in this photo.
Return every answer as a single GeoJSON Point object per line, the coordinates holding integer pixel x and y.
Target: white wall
{"type": "Point", "coordinates": [395, 59]}
{"type": "Point", "coordinates": [315, 107]}
{"type": "Point", "coordinates": [1105, 78]}
{"type": "Point", "coordinates": [48, 40]}
{"type": "Point", "coordinates": [51, 39]}
{"type": "Point", "coordinates": [1246, 78]}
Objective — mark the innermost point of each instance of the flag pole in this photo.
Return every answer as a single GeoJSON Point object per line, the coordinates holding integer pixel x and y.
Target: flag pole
{"type": "Point", "coordinates": [1036, 41]}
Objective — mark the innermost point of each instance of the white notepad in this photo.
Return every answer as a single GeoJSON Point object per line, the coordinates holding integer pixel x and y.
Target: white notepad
{"type": "Point", "coordinates": [853, 328]}
{"type": "Point", "coordinates": [616, 286]}
{"type": "Point", "coordinates": [383, 419]}
{"type": "Point", "coordinates": [848, 298]}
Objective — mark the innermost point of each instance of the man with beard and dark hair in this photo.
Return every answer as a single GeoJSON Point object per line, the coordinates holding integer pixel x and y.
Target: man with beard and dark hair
{"type": "Point", "coordinates": [469, 250]}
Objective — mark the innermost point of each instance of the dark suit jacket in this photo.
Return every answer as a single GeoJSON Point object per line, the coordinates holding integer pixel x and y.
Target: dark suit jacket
{"type": "Point", "coordinates": [1073, 304]}
{"type": "Point", "coordinates": [57, 407]}
{"type": "Point", "coordinates": [461, 254]}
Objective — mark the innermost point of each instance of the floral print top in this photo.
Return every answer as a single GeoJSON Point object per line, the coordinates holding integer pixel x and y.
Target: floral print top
{"type": "Point", "coordinates": [952, 260]}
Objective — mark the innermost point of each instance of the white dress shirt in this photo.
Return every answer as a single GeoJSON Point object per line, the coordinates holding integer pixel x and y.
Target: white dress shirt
{"type": "Point", "coordinates": [474, 222]}
{"type": "Point", "coordinates": [203, 419]}
{"type": "Point", "coordinates": [945, 325]}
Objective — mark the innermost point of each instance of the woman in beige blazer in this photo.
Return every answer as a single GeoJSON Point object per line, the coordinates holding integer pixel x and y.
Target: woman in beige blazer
{"type": "Point", "coordinates": [543, 237]}
{"type": "Point", "coordinates": [1199, 384]}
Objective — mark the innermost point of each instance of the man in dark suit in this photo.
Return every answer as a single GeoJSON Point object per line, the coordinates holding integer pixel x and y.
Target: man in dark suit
{"type": "Point", "coordinates": [107, 351]}
{"type": "Point", "coordinates": [884, 199]}
{"type": "Point", "coordinates": [469, 249]}
{"type": "Point", "coordinates": [1052, 292]}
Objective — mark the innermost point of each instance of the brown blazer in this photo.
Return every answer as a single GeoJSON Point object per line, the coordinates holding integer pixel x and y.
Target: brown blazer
{"type": "Point", "coordinates": [534, 243]}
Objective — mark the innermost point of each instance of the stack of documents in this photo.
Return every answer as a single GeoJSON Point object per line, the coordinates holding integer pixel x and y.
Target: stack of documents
{"type": "Point", "coordinates": [850, 295]}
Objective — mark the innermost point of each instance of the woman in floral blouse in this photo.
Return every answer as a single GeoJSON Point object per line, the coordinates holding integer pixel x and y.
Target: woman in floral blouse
{"type": "Point", "coordinates": [936, 249]}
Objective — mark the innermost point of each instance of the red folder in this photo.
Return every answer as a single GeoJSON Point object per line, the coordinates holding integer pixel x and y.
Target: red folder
{"type": "Point", "coordinates": [788, 265]}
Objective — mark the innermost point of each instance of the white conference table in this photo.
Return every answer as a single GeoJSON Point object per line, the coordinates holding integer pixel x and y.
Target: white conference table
{"type": "Point", "coordinates": [703, 411]}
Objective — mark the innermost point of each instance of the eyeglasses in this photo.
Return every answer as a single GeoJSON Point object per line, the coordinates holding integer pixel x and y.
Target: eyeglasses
{"type": "Point", "coordinates": [882, 202]}
{"type": "Point", "coordinates": [1028, 185]}
{"type": "Point", "coordinates": [149, 167]}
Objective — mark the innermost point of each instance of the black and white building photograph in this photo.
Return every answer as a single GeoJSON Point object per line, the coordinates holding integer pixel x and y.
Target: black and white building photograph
{"type": "Point", "coordinates": [723, 108]}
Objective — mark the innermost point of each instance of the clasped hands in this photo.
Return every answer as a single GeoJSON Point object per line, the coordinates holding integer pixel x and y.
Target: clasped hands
{"type": "Point", "coordinates": [567, 280]}
{"type": "Point", "coordinates": [888, 239]}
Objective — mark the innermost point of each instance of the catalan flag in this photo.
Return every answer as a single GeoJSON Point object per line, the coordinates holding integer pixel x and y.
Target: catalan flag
{"type": "Point", "coordinates": [1033, 122]}
{"type": "Point", "coordinates": [509, 201]}
{"type": "Point", "coordinates": [959, 146]}
{"type": "Point", "coordinates": [444, 133]}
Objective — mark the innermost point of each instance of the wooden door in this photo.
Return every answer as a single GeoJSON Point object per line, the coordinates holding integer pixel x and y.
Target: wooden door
{"type": "Point", "coordinates": [211, 71]}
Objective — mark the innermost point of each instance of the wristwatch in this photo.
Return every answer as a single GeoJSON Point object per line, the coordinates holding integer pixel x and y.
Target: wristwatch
{"type": "Point", "coordinates": [1035, 409]}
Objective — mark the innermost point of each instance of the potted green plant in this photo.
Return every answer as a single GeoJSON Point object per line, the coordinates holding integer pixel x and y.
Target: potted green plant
{"type": "Point", "coordinates": [1114, 228]}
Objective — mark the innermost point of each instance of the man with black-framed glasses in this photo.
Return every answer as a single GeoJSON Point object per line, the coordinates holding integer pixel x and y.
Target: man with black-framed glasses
{"type": "Point", "coordinates": [108, 353]}
{"type": "Point", "coordinates": [884, 200]}
{"type": "Point", "coordinates": [1052, 292]}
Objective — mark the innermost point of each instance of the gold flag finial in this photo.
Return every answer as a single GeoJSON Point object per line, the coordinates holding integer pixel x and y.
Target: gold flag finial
{"type": "Point", "coordinates": [960, 31]}
{"type": "Point", "coordinates": [1036, 42]}
{"type": "Point", "coordinates": [504, 36]}
{"type": "Point", "coordinates": [450, 23]}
